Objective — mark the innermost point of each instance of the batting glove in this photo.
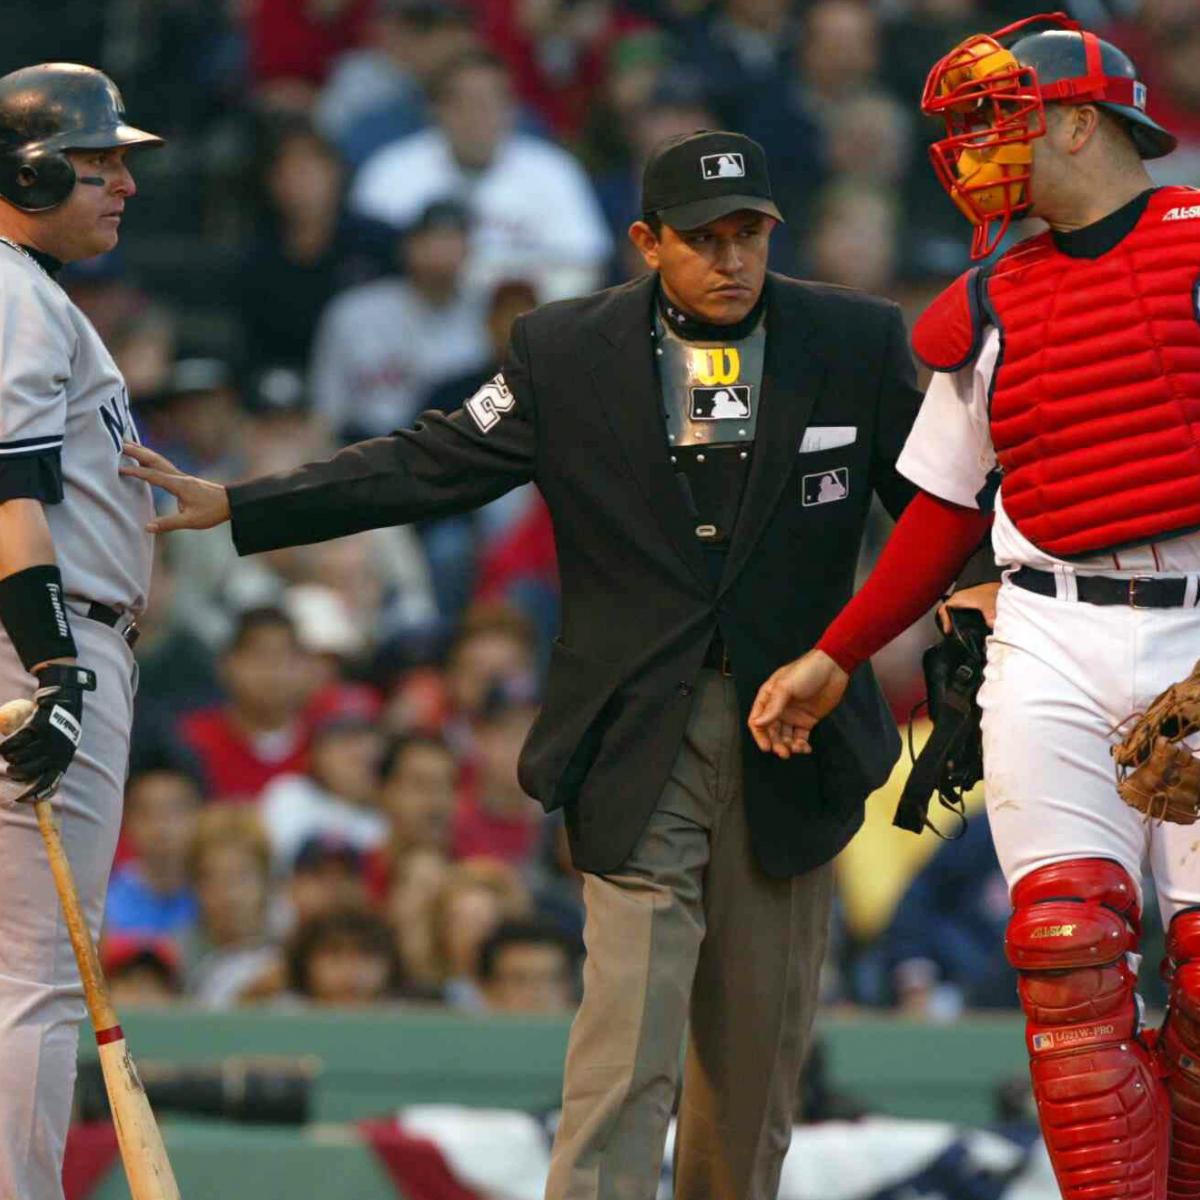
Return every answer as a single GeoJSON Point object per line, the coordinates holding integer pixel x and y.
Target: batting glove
{"type": "Point", "coordinates": [40, 752]}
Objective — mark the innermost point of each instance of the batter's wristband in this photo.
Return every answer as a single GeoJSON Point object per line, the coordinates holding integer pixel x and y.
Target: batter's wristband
{"type": "Point", "coordinates": [34, 615]}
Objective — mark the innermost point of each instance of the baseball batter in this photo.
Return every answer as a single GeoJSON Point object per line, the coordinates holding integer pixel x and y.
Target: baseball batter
{"type": "Point", "coordinates": [1066, 402]}
{"type": "Point", "coordinates": [74, 574]}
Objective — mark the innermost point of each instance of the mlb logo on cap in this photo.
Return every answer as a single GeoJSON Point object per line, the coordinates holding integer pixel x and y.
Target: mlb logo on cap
{"type": "Point", "coordinates": [723, 166]}
{"type": "Point", "coordinates": [1139, 95]}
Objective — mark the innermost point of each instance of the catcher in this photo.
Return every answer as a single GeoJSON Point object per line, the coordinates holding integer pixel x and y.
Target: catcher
{"type": "Point", "coordinates": [1065, 410]}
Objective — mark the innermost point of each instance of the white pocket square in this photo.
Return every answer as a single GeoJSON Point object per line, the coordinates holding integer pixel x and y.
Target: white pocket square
{"type": "Point", "coordinates": [828, 437]}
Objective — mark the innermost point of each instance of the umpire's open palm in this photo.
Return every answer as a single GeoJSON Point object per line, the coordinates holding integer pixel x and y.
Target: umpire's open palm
{"type": "Point", "coordinates": [202, 504]}
{"type": "Point", "coordinates": [793, 700]}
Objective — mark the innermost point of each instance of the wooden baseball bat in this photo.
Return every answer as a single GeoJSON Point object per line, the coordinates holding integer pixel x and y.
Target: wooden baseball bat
{"type": "Point", "coordinates": [143, 1154]}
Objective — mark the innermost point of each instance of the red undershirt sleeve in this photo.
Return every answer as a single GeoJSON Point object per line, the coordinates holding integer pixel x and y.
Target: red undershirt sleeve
{"type": "Point", "coordinates": [932, 540]}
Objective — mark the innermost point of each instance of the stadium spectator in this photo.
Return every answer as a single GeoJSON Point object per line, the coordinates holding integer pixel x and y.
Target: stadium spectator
{"type": "Point", "coordinates": [305, 248]}
{"type": "Point", "coordinates": [282, 431]}
{"type": "Point", "coordinates": [855, 239]}
{"type": "Point", "coordinates": [140, 970]}
{"type": "Point", "coordinates": [259, 731]}
{"type": "Point", "coordinates": [294, 43]}
{"type": "Point", "coordinates": [382, 347]}
{"type": "Point", "coordinates": [230, 953]}
{"type": "Point", "coordinates": [637, 64]}
{"type": "Point", "coordinates": [417, 878]}
{"type": "Point", "coordinates": [474, 899]}
{"type": "Point", "coordinates": [743, 53]}
{"type": "Point", "coordinates": [418, 778]}
{"type": "Point", "coordinates": [326, 877]}
{"type": "Point", "coordinates": [151, 893]}
{"type": "Point", "coordinates": [528, 967]}
{"type": "Point", "coordinates": [142, 341]}
{"type": "Point", "coordinates": [176, 669]}
{"type": "Point", "coordinates": [344, 959]}
{"type": "Point", "coordinates": [494, 642]}
{"type": "Point", "coordinates": [531, 204]}
{"type": "Point", "coordinates": [198, 417]}
{"type": "Point", "coordinates": [334, 797]}
{"type": "Point", "coordinates": [377, 94]}
{"type": "Point", "coordinates": [945, 946]}
{"type": "Point", "coordinates": [495, 818]}
{"type": "Point", "coordinates": [558, 52]}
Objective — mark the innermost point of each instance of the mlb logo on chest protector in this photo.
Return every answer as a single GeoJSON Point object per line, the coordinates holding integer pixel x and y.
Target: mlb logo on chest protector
{"type": "Point", "coordinates": [723, 166]}
{"type": "Point", "coordinates": [720, 403]}
{"type": "Point", "coordinates": [825, 487]}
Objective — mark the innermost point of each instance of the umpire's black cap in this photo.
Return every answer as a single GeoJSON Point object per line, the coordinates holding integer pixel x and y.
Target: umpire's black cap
{"type": "Point", "coordinates": [696, 178]}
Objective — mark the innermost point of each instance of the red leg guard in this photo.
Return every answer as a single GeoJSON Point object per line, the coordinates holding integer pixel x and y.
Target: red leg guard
{"type": "Point", "coordinates": [1179, 1049]}
{"type": "Point", "coordinates": [1101, 1103]}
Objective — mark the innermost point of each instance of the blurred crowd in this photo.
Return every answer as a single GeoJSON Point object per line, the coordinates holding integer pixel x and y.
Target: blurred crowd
{"type": "Point", "coordinates": [357, 199]}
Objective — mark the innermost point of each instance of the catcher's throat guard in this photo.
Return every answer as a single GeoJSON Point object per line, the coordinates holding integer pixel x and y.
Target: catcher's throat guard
{"type": "Point", "coordinates": [993, 104]}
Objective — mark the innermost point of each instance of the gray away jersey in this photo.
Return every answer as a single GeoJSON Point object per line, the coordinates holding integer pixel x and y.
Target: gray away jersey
{"type": "Point", "coordinates": [61, 391]}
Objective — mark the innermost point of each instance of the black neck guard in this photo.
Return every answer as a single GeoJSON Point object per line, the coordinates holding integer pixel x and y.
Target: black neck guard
{"type": "Point", "coordinates": [692, 329]}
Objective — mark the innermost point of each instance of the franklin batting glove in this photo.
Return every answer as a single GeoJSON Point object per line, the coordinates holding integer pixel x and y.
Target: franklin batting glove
{"type": "Point", "coordinates": [40, 752]}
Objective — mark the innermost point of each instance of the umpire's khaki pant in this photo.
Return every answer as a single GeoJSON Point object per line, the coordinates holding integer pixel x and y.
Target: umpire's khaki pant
{"type": "Point", "coordinates": [691, 928]}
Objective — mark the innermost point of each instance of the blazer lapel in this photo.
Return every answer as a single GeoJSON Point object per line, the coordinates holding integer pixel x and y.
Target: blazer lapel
{"type": "Point", "coordinates": [793, 376]}
{"type": "Point", "coordinates": [627, 389]}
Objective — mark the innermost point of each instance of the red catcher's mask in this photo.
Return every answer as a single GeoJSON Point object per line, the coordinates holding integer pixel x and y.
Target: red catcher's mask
{"type": "Point", "coordinates": [994, 107]}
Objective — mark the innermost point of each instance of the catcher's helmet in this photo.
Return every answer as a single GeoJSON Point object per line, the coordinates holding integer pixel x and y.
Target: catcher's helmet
{"type": "Point", "coordinates": [47, 110]}
{"type": "Point", "coordinates": [1062, 56]}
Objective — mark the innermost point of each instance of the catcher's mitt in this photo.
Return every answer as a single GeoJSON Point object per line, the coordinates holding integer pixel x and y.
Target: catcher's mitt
{"type": "Point", "coordinates": [1156, 771]}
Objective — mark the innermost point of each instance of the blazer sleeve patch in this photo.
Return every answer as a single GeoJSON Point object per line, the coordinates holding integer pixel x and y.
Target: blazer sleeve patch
{"type": "Point", "coordinates": [490, 403]}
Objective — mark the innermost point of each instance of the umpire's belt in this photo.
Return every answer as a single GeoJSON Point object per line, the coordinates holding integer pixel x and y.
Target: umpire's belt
{"type": "Point", "coordinates": [114, 618]}
{"type": "Point", "coordinates": [1142, 591]}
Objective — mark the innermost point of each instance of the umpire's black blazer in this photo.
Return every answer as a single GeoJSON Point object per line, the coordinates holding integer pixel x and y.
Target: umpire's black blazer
{"type": "Point", "coordinates": [639, 609]}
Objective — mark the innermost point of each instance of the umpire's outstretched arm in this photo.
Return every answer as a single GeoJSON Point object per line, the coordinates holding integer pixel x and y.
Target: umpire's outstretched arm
{"type": "Point", "coordinates": [444, 464]}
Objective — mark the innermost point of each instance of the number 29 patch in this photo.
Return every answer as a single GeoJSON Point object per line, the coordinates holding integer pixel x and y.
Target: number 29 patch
{"type": "Point", "coordinates": [490, 403]}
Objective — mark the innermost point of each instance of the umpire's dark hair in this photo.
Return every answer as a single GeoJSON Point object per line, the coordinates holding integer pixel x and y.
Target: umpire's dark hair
{"type": "Point", "coordinates": [441, 81]}
{"type": "Point", "coordinates": [263, 616]}
{"type": "Point", "coordinates": [399, 746]}
{"type": "Point", "coordinates": [537, 932]}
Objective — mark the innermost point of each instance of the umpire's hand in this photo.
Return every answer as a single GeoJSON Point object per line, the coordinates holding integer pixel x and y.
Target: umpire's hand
{"type": "Point", "coordinates": [793, 700]}
{"type": "Point", "coordinates": [202, 504]}
{"type": "Point", "coordinates": [40, 752]}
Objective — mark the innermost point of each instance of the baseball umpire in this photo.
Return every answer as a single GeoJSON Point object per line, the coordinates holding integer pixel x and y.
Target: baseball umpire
{"type": "Point", "coordinates": [74, 573]}
{"type": "Point", "coordinates": [1066, 400]}
{"type": "Point", "coordinates": [708, 439]}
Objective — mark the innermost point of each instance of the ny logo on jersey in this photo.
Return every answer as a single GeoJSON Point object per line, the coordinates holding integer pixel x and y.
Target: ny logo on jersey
{"type": "Point", "coordinates": [118, 420]}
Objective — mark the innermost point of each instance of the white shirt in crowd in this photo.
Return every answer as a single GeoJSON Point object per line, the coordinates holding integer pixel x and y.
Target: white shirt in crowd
{"type": "Point", "coordinates": [949, 453]}
{"type": "Point", "coordinates": [535, 214]}
{"type": "Point", "coordinates": [382, 347]}
{"type": "Point", "coordinates": [294, 808]}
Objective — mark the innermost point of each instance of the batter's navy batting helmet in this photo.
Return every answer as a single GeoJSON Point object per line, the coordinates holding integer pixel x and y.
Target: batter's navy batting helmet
{"type": "Point", "coordinates": [47, 110]}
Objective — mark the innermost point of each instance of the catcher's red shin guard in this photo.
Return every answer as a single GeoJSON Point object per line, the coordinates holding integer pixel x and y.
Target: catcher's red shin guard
{"type": "Point", "coordinates": [1101, 1102]}
{"type": "Point", "coordinates": [1179, 1049]}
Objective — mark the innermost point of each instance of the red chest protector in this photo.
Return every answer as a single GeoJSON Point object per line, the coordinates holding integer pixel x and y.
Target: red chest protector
{"type": "Point", "coordinates": [1095, 400]}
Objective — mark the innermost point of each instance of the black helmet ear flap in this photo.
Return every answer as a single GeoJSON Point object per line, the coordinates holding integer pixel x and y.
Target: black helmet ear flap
{"type": "Point", "coordinates": [36, 179]}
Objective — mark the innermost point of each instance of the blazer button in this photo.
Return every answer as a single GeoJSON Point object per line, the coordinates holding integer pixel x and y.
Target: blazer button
{"type": "Point", "coordinates": [685, 689]}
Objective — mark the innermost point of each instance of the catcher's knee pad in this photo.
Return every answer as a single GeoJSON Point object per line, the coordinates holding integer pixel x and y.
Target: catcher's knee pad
{"type": "Point", "coordinates": [1100, 1100]}
{"type": "Point", "coordinates": [1179, 1049]}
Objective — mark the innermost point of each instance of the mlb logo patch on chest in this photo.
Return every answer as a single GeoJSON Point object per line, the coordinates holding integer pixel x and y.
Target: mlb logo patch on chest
{"type": "Point", "coordinates": [825, 487]}
{"type": "Point", "coordinates": [720, 403]}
